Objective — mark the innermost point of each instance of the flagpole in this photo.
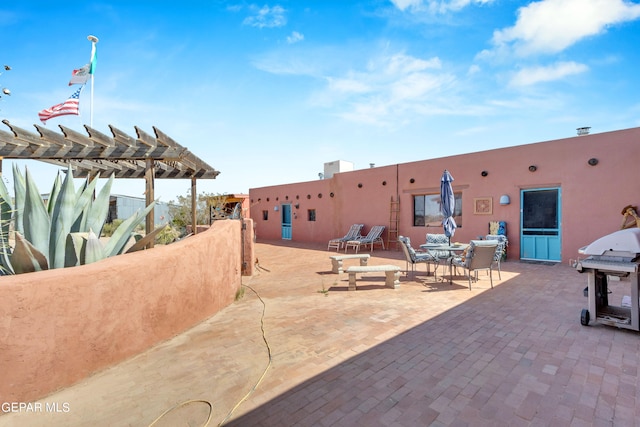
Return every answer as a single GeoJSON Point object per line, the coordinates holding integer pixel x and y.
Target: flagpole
{"type": "Point", "coordinates": [93, 40]}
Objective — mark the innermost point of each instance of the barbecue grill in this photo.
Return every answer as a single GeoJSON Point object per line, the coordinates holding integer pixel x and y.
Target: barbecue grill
{"type": "Point", "coordinates": [615, 255]}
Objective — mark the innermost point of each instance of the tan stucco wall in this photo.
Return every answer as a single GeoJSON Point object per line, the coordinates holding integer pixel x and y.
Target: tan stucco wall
{"type": "Point", "coordinates": [58, 326]}
{"type": "Point", "coordinates": [592, 197]}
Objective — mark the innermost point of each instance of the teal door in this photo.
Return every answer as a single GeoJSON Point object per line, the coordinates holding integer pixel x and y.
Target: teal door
{"type": "Point", "coordinates": [286, 222]}
{"type": "Point", "coordinates": [540, 224]}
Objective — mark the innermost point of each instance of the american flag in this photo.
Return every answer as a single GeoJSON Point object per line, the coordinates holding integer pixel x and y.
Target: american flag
{"type": "Point", "coordinates": [70, 106]}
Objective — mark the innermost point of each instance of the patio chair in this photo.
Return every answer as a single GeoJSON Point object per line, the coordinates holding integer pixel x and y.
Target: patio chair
{"type": "Point", "coordinates": [479, 256]}
{"type": "Point", "coordinates": [353, 233]}
{"type": "Point", "coordinates": [413, 257]}
{"type": "Point", "coordinates": [374, 237]}
{"type": "Point", "coordinates": [440, 239]}
{"type": "Point", "coordinates": [500, 249]}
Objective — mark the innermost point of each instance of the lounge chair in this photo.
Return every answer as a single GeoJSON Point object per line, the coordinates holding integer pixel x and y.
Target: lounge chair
{"type": "Point", "coordinates": [414, 257]}
{"type": "Point", "coordinates": [479, 256]}
{"type": "Point", "coordinates": [353, 233]}
{"type": "Point", "coordinates": [374, 237]}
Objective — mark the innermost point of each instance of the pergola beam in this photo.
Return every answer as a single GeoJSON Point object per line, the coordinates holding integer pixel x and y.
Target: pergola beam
{"type": "Point", "coordinates": [145, 156]}
{"type": "Point", "coordinates": [98, 152]}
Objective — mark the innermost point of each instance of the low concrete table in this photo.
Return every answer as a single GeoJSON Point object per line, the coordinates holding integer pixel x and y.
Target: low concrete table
{"type": "Point", "coordinates": [336, 261]}
{"type": "Point", "coordinates": [392, 274]}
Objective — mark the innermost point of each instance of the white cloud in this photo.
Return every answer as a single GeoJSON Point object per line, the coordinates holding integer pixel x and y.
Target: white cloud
{"type": "Point", "coordinates": [269, 17]}
{"type": "Point", "coordinates": [295, 37]}
{"type": "Point", "coordinates": [533, 75]}
{"type": "Point", "coordinates": [437, 6]}
{"type": "Point", "coordinates": [474, 69]}
{"type": "Point", "coordinates": [403, 64]}
{"type": "Point", "coordinates": [348, 85]}
{"type": "Point", "coordinates": [391, 89]}
{"type": "Point", "coordinates": [405, 4]}
{"type": "Point", "coordinates": [550, 26]}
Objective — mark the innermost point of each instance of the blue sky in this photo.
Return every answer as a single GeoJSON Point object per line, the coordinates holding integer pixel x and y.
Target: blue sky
{"type": "Point", "coordinates": [268, 92]}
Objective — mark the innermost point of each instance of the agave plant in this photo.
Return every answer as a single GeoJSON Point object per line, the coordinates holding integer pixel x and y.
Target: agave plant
{"type": "Point", "coordinates": [61, 231]}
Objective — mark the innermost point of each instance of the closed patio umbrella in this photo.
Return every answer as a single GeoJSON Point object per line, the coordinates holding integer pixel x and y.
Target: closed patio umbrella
{"type": "Point", "coordinates": [447, 204]}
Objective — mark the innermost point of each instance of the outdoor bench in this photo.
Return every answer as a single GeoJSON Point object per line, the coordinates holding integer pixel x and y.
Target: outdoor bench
{"type": "Point", "coordinates": [392, 273]}
{"type": "Point", "coordinates": [336, 261]}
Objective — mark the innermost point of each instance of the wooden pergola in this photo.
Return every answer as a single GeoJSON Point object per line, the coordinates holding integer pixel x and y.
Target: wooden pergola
{"type": "Point", "coordinates": [143, 156]}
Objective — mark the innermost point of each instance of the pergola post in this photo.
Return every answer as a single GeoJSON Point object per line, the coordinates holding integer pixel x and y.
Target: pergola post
{"type": "Point", "coordinates": [194, 205]}
{"type": "Point", "coordinates": [149, 198]}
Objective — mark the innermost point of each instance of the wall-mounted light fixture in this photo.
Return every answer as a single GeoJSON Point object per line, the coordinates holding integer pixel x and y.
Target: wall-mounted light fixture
{"type": "Point", "coordinates": [275, 208]}
{"type": "Point", "coordinates": [297, 206]}
{"type": "Point", "coordinates": [592, 161]}
{"type": "Point", "coordinates": [504, 199]}
{"type": "Point", "coordinates": [533, 168]}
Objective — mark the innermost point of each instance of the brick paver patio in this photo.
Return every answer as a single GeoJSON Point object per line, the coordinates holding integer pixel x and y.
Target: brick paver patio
{"type": "Point", "coordinates": [428, 353]}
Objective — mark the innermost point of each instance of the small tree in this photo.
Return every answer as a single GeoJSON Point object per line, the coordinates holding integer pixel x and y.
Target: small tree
{"type": "Point", "coordinates": [180, 210]}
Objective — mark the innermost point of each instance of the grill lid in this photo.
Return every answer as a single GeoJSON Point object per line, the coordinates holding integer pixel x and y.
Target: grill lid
{"type": "Point", "coordinates": [621, 243]}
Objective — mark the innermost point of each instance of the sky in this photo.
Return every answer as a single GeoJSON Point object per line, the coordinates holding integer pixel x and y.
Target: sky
{"type": "Point", "coordinates": [267, 93]}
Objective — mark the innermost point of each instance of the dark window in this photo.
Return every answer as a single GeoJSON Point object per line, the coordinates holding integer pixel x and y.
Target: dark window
{"type": "Point", "coordinates": [312, 214]}
{"type": "Point", "coordinates": [265, 215]}
{"type": "Point", "coordinates": [426, 210]}
{"type": "Point", "coordinates": [540, 209]}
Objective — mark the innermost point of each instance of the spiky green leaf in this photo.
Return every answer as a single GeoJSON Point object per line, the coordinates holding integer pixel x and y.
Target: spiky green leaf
{"type": "Point", "coordinates": [145, 240]}
{"type": "Point", "coordinates": [94, 251]}
{"type": "Point", "coordinates": [19, 187]}
{"type": "Point", "coordinates": [99, 209]}
{"type": "Point", "coordinates": [36, 222]}
{"type": "Point", "coordinates": [74, 249]}
{"type": "Point", "coordinates": [122, 234]}
{"type": "Point", "coordinates": [84, 200]}
{"type": "Point", "coordinates": [6, 211]}
{"type": "Point", "coordinates": [62, 218]}
{"type": "Point", "coordinates": [55, 190]}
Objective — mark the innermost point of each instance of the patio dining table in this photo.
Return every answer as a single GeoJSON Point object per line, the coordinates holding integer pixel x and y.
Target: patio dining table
{"type": "Point", "coordinates": [452, 249]}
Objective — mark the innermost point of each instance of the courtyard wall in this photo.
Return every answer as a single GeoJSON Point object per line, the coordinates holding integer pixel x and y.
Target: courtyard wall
{"type": "Point", "coordinates": [59, 326]}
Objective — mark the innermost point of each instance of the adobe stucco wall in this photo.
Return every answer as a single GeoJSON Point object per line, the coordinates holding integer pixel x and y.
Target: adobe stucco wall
{"type": "Point", "coordinates": [59, 326]}
{"type": "Point", "coordinates": [592, 197]}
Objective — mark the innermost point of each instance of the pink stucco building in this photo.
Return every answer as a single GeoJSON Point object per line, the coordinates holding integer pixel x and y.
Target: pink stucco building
{"type": "Point", "coordinates": [562, 195]}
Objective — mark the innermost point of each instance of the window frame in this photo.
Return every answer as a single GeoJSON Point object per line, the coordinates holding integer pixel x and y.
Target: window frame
{"type": "Point", "coordinates": [426, 210]}
{"type": "Point", "coordinates": [311, 214]}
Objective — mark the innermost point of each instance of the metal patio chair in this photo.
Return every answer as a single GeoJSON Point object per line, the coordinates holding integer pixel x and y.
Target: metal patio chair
{"type": "Point", "coordinates": [413, 257]}
{"type": "Point", "coordinates": [479, 256]}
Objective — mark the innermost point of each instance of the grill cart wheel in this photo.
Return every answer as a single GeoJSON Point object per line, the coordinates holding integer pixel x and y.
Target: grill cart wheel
{"type": "Point", "coordinates": [584, 317]}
